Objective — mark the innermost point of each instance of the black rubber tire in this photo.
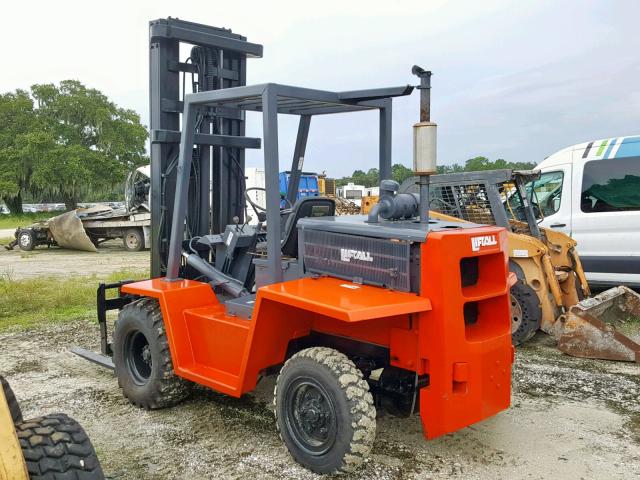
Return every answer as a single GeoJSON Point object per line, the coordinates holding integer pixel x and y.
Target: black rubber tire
{"type": "Point", "coordinates": [529, 304]}
{"type": "Point", "coordinates": [155, 385]}
{"type": "Point", "coordinates": [26, 240]}
{"type": "Point", "coordinates": [133, 239]}
{"type": "Point", "coordinates": [349, 416]}
{"type": "Point", "coordinates": [14, 406]}
{"type": "Point", "coordinates": [56, 447]}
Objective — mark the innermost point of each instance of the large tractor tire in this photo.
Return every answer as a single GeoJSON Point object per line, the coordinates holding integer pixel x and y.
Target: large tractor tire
{"type": "Point", "coordinates": [142, 358]}
{"type": "Point", "coordinates": [56, 447]}
{"type": "Point", "coordinates": [14, 407]}
{"type": "Point", "coordinates": [526, 313]}
{"type": "Point", "coordinates": [324, 411]}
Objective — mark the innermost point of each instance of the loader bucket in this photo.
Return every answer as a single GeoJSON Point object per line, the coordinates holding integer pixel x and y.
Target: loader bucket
{"type": "Point", "coordinates": [606, 326]}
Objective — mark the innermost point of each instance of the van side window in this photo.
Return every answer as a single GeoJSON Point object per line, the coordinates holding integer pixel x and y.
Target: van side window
{"type": "Point", "coordinates": [611, 185]}
{"type": "Point", "coordinates": [547, 193]}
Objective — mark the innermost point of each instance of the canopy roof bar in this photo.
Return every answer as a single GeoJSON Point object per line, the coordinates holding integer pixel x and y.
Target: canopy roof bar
{"type": "Point", "coordinates": [272, 99]}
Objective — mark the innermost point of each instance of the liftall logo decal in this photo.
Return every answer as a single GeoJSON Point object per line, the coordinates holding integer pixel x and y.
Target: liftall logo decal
{"type": "Point", "coordinates": [483, 241]}
{"type": "Point", "coordinates": [346, 255]}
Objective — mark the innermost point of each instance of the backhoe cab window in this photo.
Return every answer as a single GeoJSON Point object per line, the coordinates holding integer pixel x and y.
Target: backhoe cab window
{"type": "Point", "coordinates": [611, 185]}
{"type": "Point", "coordinates": [545, 193]}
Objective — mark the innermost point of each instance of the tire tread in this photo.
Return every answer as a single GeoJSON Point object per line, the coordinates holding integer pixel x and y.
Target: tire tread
{"type": "Point", "coordinates": [169, 389]}
{"type": "Point", "coordinates": [55, 447]}
{"type": "Point", "coordinates": [360, 401]}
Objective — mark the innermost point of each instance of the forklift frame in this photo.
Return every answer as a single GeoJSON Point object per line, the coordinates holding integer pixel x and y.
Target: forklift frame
{"type": "Point", "coordinates": [272, 99]}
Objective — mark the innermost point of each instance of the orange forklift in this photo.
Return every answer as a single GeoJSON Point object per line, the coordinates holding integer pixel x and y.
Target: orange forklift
{"type": "Point", "coordinates": [392, 311]}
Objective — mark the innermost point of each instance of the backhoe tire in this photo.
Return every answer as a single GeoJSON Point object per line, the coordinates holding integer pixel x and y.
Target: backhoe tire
{"type": "Point", "coordinates": [56, 447]}
{"type": "Point", "coordinates": [324, 411]}
{"type": "Point", "coordinates": [142, 359]}
{"type": "Point", "coordinates": [14, 407]}
{"type": "Point", "coordinates": [133, 239]}
{"type": "Point", "coordinates": [526, 313]}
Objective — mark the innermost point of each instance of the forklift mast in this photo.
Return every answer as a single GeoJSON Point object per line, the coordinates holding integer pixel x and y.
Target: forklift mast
{"type": "Point", "coordinates": [216, 60]}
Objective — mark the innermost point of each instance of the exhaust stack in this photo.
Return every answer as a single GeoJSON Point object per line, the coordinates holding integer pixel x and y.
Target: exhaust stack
{"type": "Point", "coordinates": [424, 142]}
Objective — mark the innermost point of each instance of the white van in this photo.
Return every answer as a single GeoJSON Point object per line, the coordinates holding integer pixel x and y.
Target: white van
{"type": "Point", "coordinates": [591, 191]}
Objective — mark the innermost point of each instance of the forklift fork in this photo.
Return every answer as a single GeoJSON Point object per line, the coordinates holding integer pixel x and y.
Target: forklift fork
{"type": "Point", "coordinates": [104, 304]}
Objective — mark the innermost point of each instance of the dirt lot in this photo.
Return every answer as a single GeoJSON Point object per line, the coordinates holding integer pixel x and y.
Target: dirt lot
{"type": "Point", "coordinates": [57, 262]}
{"type": "Point", "coordinates": [570, 418]}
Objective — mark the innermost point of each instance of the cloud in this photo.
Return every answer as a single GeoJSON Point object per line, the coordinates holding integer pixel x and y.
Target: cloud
{"type": "Point", "coordinates": [517, 80]}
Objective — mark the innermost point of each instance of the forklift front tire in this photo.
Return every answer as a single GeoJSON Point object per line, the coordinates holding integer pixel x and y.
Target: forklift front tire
{"type": "Point", "coordinates": [142, 359]}
{"type": "Point", "coordinates": [324, 411]}
{"type": "Point", "coordinates": [26, 240]}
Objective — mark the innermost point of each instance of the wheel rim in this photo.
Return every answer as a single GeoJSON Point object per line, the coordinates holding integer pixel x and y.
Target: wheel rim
{"type": "Point", "coordinates": [132, 241]}
{"type": "Point", "coordinates": [25, 240]}
{"type": "Point", "coordinates": [138, 357]}
{"type": "Point", "coordinates": [516, 314]}
{"type": "Point", "coordinates": [310, 416]}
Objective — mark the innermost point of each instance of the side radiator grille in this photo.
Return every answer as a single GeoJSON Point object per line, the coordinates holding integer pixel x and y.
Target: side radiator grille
{"type": "Point", "coordinates": [373, 261]}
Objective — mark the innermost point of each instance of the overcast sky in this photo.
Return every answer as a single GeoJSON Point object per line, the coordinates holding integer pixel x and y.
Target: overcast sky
{"type": "Point", "coordinates": [517, 80]}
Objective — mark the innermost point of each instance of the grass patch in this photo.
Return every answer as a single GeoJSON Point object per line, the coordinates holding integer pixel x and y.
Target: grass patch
{"type": "Point", "coordinates": [29, 302]}
{"type": "Point", "coordinates": [6, 240]}
{"type": "Point", "coordinates": [26, 219]}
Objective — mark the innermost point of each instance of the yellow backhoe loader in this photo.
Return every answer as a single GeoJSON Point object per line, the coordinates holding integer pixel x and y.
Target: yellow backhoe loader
{"type": "Point", "coordinates": [552, 293]}
{"type": "Point", "coordinates": [47, 447]}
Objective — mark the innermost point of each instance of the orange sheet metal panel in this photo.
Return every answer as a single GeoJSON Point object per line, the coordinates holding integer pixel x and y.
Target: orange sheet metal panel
{"type": "Point", "coordinates": [185, 332]}
{"type": "Point", "coordinates": [344, 300]}
{"type": "Point", "coordinates": [469, 362]}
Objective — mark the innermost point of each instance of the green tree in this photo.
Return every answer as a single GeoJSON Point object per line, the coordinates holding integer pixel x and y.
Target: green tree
{"type": "Point", "coordinates": [483, 163]}
{"type": "Point", "coordinates": [372, 179]}
{"type": "Point", "coordinates": [400, 173]}
{"type": "Point", "coordinates": [17, 121]}
{"type": "Point", "coordinates": [87, 143]}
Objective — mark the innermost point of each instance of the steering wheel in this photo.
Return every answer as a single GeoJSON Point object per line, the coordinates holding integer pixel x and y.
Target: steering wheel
{"type": "Point", "coordinates": [259, 208]}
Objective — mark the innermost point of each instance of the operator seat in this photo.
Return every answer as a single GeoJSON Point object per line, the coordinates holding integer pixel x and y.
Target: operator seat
{"type": "Point", "coordinates": [304, 207]}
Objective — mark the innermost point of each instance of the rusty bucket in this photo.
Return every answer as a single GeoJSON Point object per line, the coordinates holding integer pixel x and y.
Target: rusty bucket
{"type": "Point", "coordinates": [606, 326]}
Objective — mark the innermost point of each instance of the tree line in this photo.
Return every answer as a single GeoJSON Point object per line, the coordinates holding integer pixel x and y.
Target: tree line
{"type": "Point", "coordinates": [65, 142]}
{"type": "Point", "coordinates": [400, 173]}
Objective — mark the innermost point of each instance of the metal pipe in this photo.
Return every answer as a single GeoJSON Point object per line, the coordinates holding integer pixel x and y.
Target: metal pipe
{"type": "Point", "coordinates": [373, 214]}
{"type": "Point", "coordinates": [425, 116]}
{"type": "Point", "coordinates": [425, 92]}
{"type": "Point", "coordinates": [424, 199]}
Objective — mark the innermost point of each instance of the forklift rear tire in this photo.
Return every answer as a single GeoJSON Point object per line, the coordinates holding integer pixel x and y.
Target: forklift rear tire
{"type": "Point", "coordinates": [55, 447]}
{"type": "Point", "coordinates": [133, 239]}
{"type": "Point", "coordinates": [526, 313]}
{"type": "Point", "coordinates": [324, 411]}
{"type": "Point", "coordinates": [14, 406]}
{"type": "Point", "coordinates": [26, 240]}
{"type": "Point", "coordinates": [142, 359]}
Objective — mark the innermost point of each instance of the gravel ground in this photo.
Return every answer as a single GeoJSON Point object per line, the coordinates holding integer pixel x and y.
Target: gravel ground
{"type": "Point", "coordinates": [57, 262]}
{"type": "Point", "coordinates": [570, 419]}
